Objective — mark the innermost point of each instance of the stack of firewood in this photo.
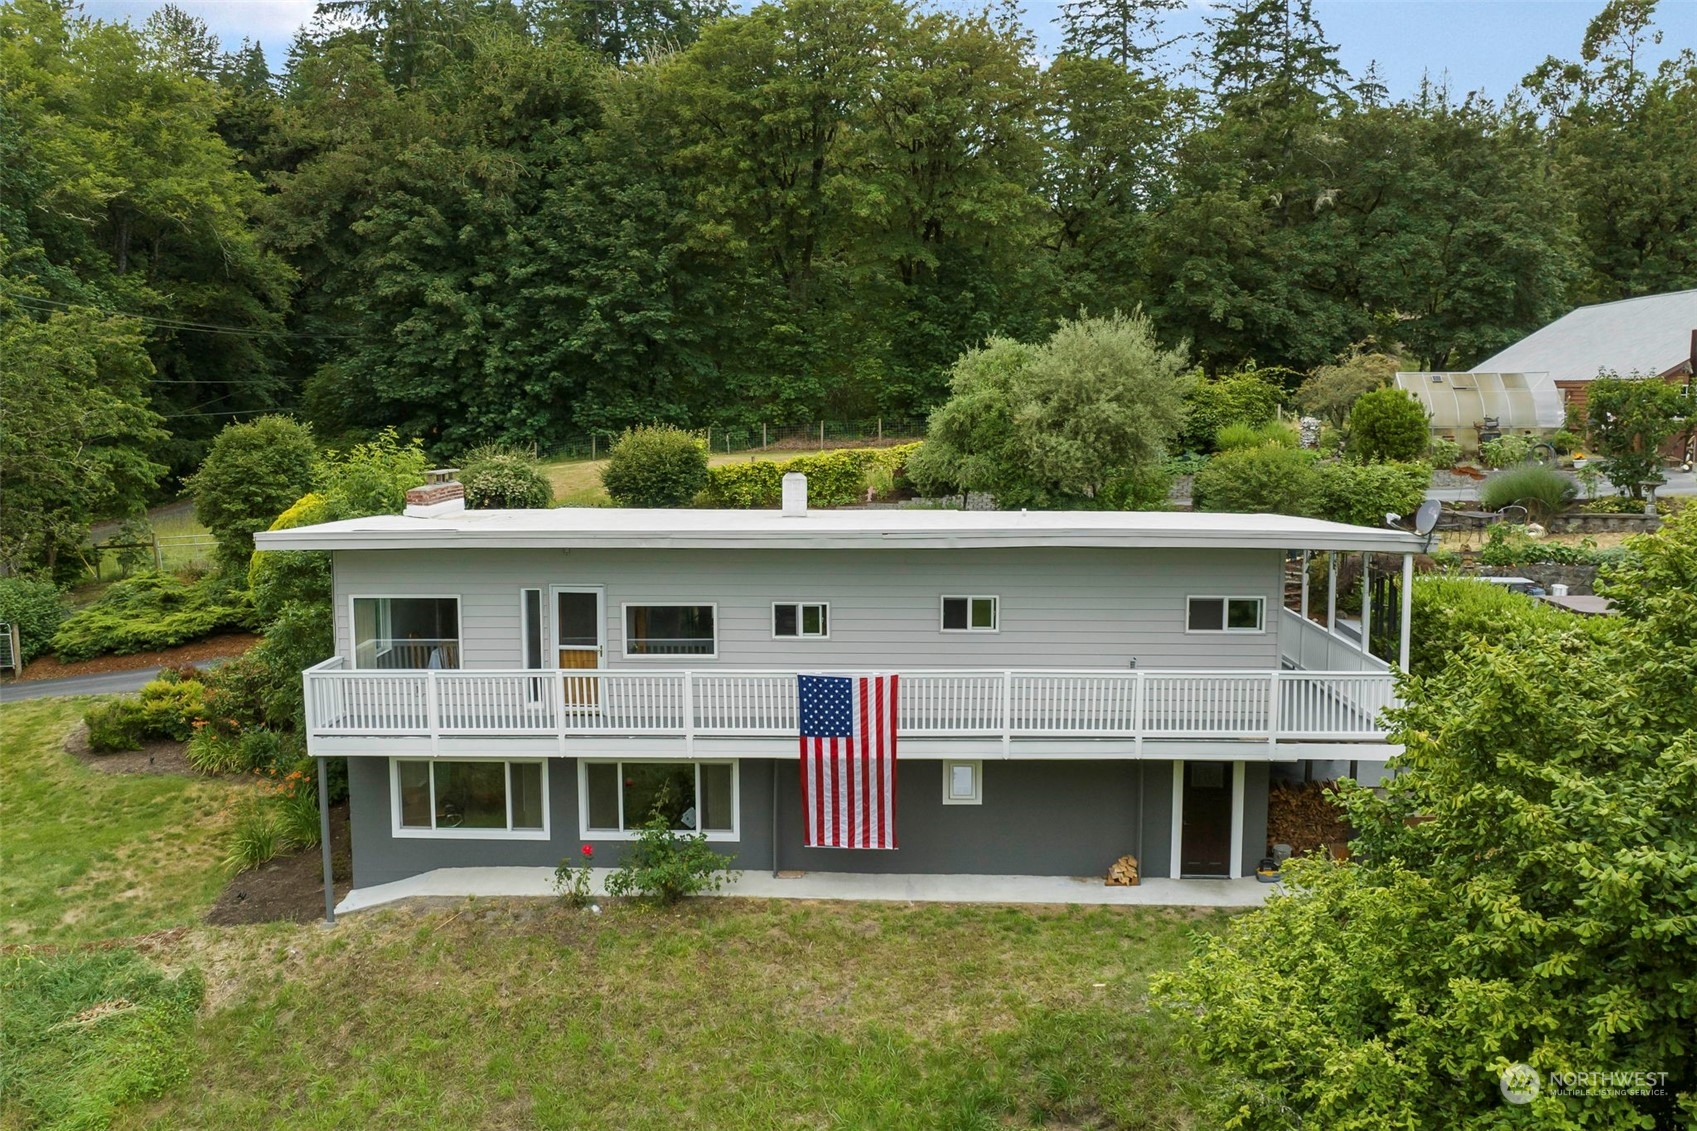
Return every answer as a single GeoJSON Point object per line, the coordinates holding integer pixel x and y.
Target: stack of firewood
{"type": "Point", "coordinates": [1306, 817]}
{"type": "Point", "coordinates": [1123, 873]}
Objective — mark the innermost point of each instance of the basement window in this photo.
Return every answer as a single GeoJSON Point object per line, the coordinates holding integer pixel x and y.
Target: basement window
{"type": "Point", "coordinates": [470, 799]}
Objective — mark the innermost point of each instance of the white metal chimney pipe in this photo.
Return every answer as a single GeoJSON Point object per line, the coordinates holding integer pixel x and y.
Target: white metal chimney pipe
{"type": "Point", "coordinates": [795, 495]}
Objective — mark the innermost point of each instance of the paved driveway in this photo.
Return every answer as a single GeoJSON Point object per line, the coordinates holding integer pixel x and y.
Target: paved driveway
{"type": "Point", "coordinates": [106, 683]}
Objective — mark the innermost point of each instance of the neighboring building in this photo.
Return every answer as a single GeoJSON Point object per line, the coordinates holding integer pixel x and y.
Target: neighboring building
{"type": "Point", "coordinates": [509, 685]}
{"type": "Point", "coordinates": [1533, 384]}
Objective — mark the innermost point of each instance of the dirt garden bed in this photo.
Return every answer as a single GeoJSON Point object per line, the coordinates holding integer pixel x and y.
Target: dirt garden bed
{"type": "Point", "coordinates": [288, 889]}
{"type": "Point", "coordinates": [220, 647]}
{"type": "Point", "coordinates": [163, 757]}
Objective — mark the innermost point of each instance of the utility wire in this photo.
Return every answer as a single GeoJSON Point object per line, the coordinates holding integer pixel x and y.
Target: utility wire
{"type": "Point", "coordinates": [38, 303]}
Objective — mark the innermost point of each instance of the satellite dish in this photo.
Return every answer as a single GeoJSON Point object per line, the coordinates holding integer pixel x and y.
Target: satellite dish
{"type": "Point", "coordinates": [1426, 518]}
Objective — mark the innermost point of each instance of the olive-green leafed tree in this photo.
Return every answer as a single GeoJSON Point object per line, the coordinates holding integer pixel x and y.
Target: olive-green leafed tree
{"type": "Point", "coordinates": [1057, 424]}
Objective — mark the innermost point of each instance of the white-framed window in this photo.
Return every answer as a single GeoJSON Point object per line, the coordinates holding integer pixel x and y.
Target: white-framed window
{"type": "Point", "coordinates": [1225, 614]}
{"type": "Point", "coordinates": [800, 619]}
{"type": "Point", "coordinates": [671, 630]}
{"type": "Point", "coordinates": [971, 614]}
{"type": "Point", "coordinates": [471, 799]}
{"type": "Point", "coordinates": [963, 783]}
{"type": "Point", "coordinates": [405, 632]}
{"type": "Point", "coordinates": [615, 799]}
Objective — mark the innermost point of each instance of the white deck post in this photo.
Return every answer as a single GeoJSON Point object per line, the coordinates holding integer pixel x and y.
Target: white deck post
{"type": "Point", "coordinates": [689, 715]}
{"type": "Point", "coordinates": [1407, 610]}
{"type": "Point", "coordinates": [1305, 585]}
{"type": "Point", "coordinates": [324, 839]}
{"type": "Point", "coordinates": [1366, 603]}
{"type": "Point", "coordinates": [1331, 591]}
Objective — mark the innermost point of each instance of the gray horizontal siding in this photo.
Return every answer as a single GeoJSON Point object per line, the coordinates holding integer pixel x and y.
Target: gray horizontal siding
{"type": "Point", "coordinates": [1059, 608]}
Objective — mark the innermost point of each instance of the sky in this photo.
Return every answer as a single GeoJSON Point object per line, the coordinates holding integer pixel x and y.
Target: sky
{"type": "Point", "coordinates": [1484, 45]}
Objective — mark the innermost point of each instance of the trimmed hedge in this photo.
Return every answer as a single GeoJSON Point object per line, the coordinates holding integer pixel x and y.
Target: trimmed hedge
{"type": "Point", "coordinates": [148, 611]}
{"type": "Point", "coordinates": [834, 479]}
{"type": "Point", "coordinates": [37, 608]}
{"type": "Point", "coordinates": [658, 466]}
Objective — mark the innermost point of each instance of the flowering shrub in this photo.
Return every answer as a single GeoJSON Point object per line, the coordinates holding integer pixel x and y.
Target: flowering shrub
{"type": "Point", "coordinates": [665, 865]}
{"type": "Point", "coordinates": [573, 883]}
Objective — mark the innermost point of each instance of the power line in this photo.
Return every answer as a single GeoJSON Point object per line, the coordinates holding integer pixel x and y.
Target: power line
{"type": "Point", "coordinates": [169, 323]}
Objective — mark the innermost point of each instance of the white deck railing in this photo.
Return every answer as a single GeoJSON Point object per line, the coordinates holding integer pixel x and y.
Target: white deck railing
{"type": "Point", "coordinates": [1289, 705]}
{"type": "Point", "coordinates": [1312, 646]}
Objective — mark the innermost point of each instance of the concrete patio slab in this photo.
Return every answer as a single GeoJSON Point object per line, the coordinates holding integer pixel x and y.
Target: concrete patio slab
{"type": "Point", "coordinates": [531, 882]}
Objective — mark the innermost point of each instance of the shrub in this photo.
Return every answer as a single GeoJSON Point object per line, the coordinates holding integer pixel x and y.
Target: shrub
{"type": "Point", "coordinates": [37, 608]}
{"type": "Point", "coordinates": [256, 835]}
{"type": "Point", "coordinates": [1612, 504]}
{"type": "Point", "coordinates": [253, 472]}
{"type": "Point", "coordinates": [1544, 491]}
{"type": "Point", "coordinates": [497, 478]}
{"type": "Point", "coordinates": [834, 479]}
{"type": "Point", "coordinates": [170, 708]}
{"type": "Point", "coordinates": [657, 466]}
{"type": "Point", "coordinates": [1240, 399]}
{"type": "Point", "coordinates": [1234, 436]}
{"type": "Point", "coordinates": [1443, 453]}
{"type": "Point", "coordinates": [757, 483]}
{"type": "Point", "coordinates": [665, 865]}
{"type": "Point", "coordinates": [1363, 493]}
{"type": "Point", "coordinates": [1628, 420]}
{"type": "Point", "coordinates": [1451, 616]}
{"type": "Point", "coordinates": [1142, 489]}
{"type": "Point", "coordinates": [572, 878]}
{"type": "Point", "coordinates": [1566, 443]}
{"type": "Point", "coordinates": [1331, 391]}
{"type": "Point", "coordinates": [1506, 451]}
{"type": "Point", "coordinates": [258, 748]}
{"type": "Point", "coordinates": [151, 610]}
{"type": "Point", "coordinates": [1388, 424]}
{"type": "Point", "coordinates": [1507, 544]}
{"type": "Point", "coordinates": [118, 725]}
{"type": "Point", "coordinates": [1266, 480]}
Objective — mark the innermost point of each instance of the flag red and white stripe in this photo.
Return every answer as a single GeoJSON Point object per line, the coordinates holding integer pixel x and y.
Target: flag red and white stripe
{"type": "Point", "coordinates": [848, 760]}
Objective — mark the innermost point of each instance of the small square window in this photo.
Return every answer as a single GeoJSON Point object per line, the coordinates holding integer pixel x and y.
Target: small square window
{"type": "Point", "coordinates": [970, 614]}
{"type": "Point", "coordinates": [799, 619]}
{"type": "Point", "coordinates": [963, 783]}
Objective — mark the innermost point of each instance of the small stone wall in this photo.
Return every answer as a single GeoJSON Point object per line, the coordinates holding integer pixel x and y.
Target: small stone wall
{"type": "Point", "coordinates": [1581, 523]}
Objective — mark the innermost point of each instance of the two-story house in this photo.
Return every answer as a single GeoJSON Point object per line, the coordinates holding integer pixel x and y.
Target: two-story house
{"type": "Point", "coordinates": [1074, 686]}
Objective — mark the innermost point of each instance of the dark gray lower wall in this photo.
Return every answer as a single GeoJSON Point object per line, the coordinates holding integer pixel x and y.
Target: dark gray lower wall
{"type": "Point", "coordinates": [1037, 818]}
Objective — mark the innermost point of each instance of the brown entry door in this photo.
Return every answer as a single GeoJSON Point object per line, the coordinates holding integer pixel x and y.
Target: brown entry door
{"type": "Point", "coordinates": [1205, 838]}
{"type": "Point", "coordinates": [577, 632]}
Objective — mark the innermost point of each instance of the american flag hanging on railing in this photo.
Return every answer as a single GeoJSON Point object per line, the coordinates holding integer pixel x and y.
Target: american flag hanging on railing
{"type": "Point", "coordinates": [848, 760]}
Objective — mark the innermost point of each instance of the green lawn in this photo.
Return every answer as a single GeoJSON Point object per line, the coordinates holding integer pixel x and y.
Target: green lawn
{"type": "Point", "coordinates": [526, 1014]}
{"type": "Point", "coordinates": [724, 1014]}
{"type": "Point", "coordinates": [87, 855]}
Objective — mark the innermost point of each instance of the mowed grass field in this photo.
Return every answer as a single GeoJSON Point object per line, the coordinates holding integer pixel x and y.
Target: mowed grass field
{"type": "Point", "coordinates": [721, 1013]}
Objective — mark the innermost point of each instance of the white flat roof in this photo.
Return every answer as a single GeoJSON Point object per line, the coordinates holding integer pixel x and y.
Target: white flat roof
{"type": "Point", "coordinates": [688, 529]}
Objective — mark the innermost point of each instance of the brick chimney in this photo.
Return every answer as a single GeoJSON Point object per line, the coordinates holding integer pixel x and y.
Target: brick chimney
{"type": "Point", "coordinates": [441, 494]}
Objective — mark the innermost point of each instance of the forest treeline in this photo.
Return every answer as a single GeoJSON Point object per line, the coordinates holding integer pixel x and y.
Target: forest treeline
{"type": "Point", "coordinates": [488, 220]}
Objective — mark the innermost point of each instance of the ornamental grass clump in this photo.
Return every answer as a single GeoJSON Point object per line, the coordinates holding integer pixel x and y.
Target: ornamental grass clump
{"type": "Point", "coordinates": [1543, 491]}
